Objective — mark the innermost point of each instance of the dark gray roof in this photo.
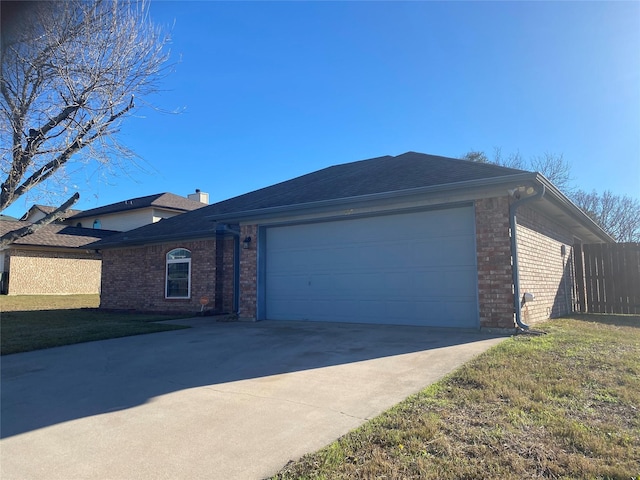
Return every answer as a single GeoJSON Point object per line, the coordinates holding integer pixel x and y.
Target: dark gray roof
{"type": "Point", "coordinates": [366, 177]}
{"type": "Point", "coordinates": [55, 235]}
{"type": "Point", "coordinates": [165, 200]}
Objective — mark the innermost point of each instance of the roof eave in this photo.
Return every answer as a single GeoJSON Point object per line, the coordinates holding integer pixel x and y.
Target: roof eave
{"type": "Point", "coordinates": [560, 200]}
{"type": "Point", "coordinates": [173, 237]}
{"type": "Point", "coordinates": [553, 195]}
{"type": "Point", "coordinates": [309, 207]}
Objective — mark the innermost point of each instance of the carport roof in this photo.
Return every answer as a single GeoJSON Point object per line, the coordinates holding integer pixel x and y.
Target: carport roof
{"type": "Point", "coordinates": [410, 171]}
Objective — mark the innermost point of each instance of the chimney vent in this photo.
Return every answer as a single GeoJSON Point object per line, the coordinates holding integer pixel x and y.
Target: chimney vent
{"type": "Point", "coordinates": [199, 196]}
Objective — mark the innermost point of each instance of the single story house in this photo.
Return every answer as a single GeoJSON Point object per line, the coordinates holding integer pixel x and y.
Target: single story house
{"type": "Point", "coordinates": [412, 239]}
{"type": "Point", "coordinates": [51, 261]}
{"type": "Point", "coordinates": [55, 260]}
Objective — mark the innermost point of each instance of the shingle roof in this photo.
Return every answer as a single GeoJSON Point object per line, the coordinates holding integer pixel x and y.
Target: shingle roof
{"type": "Point", "coordinates": [46, 209]}
{"type": "Point", "coordinates": [377, 175]}
{"type": "Point", "coordinates": [159, 200]}
{"type": "Point", "coordinates": [55, 235]}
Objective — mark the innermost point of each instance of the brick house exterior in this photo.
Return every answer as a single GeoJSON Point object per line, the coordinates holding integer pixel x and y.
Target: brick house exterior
{"type": "Point", "coordinates": [145, 264]}
{"type": "Point", "coordinates": [53, 260]}
{"type": "Point", "coordinates": [495, 294]}
{"type": "Point", "coordinates": [546, 266]}
{"type": "Point", "coordinates": [362, 193]}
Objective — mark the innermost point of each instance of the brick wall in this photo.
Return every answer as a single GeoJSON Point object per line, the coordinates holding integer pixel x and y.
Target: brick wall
{"type": "Point", "coordinates": [544, 270]}
{"type": "Point", "coordinates": [495, 280]}
{"type": "Point", "coordinates": [52, 273]}
{"type": "Point", "coordinates": [228, 274]}
{"type": "Point", "coordinates": [134, 277]}
{"type": "Point", "coordinates": [248, 273]}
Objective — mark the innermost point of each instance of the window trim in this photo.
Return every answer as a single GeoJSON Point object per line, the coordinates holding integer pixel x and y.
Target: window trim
{"type": "Point", "coordinates": [168, 262]}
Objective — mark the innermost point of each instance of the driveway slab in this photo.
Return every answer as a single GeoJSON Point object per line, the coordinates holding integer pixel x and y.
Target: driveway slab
{"type": "Point", "coordinates": [217, 401]}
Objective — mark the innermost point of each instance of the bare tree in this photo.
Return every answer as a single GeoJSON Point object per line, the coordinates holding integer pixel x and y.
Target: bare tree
{"type": "Point", "coordinates": [476, 156]}
{"type": "Point", "coordinates": [555, 168]}
{"type": "Point", "coordinates": [618, 215]}
{"type": "Point", "coordinates": [69, 73]}
{"type": "Point", "coordinates": [552, 166]}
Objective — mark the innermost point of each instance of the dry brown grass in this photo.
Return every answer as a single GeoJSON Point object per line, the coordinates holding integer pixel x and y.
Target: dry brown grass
{"type": "Point", "coordinates": [560, 405]}
{"type": "Point", "coordinates": [14, 303]}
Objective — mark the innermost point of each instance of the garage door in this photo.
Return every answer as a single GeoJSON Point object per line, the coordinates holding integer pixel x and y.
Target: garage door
{"type": "Point", "coordinates": [407, 269]}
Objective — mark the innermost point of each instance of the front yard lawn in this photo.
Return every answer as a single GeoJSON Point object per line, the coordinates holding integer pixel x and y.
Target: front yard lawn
{"type": "Point", "coordinates": [23, 331]}
{"type": "Point", "coordinates": [561, 405]}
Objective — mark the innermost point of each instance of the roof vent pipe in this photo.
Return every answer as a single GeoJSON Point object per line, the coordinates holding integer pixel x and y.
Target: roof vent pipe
{"type": "Point", "coordinates": [514, 253]}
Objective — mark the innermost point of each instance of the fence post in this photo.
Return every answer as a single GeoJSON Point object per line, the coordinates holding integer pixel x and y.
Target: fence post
{"type": "Point", "coordinates": [578, 260]}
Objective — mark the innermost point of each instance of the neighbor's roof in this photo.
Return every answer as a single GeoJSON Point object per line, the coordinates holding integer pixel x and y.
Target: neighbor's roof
{"type": "Point", "coordinates": [47, 209]}
{"type": "Point", "coordinates": [350, 180]}
{"type": "Point", "coordinates": [165, 201]}
{"type": "Point", "coordinates": [55, 235]}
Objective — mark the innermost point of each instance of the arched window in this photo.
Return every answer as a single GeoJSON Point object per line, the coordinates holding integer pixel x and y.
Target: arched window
{"type": "Point", "coordinates": [178, 284]}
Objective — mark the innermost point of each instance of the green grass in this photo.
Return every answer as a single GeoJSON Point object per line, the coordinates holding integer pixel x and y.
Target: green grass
{"type": "Point", "coordinates": [561, 405]}
{"type": "Point", "coordinates": [26, 326]}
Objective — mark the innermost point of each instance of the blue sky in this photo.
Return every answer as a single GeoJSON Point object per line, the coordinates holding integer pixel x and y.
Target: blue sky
{"type": "Point", "coordinates": [272, 90]}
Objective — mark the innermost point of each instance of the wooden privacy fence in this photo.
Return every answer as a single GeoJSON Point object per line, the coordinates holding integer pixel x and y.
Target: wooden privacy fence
{"type": "Point", "coordinates": [607, 278]}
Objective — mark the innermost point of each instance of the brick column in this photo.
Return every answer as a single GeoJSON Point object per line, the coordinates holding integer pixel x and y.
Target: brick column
{"type": "Point", "coordinates": [493, 248]}
{"type": "Point", "coordinates": [247, 307]}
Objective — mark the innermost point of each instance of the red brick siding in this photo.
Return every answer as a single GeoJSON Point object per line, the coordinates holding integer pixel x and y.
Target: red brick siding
{"type": "Point", "coordinates": [228, 275]}
{"type": "Point", "coordinates": [134, 277]}
{"type": "Point", "coordinates": [248, 273]}
{"type": "Point", "coordinates": [495, 280]}
{"type": "Point", "coordinates": [544, 271]}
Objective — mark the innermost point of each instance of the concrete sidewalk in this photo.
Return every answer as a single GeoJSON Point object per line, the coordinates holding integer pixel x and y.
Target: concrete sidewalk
{"type": "Point", "coordinates": [217, 401]}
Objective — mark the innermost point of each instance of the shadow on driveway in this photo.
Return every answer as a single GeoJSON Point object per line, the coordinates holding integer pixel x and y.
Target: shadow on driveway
{"type": "Point", "coordinates": [57, 385]}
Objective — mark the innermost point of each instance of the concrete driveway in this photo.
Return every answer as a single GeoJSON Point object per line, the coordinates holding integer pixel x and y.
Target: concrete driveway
{"type": "Point", "coordinates": [217, 401]}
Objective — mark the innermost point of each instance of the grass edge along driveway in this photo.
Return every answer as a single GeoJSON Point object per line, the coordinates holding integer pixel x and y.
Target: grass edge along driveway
{"type": "Point", "coordinates": [35, 330]}
{"type": "Point", "coordinates": [560, 405]}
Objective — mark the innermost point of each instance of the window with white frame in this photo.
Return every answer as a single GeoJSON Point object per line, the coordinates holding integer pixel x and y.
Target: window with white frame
{"type": "Point", "coordinates": [178, 284]}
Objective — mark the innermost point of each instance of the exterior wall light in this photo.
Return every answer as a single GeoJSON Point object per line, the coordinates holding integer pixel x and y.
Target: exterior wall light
{"type": "Point", "coordinates": [246, 243]}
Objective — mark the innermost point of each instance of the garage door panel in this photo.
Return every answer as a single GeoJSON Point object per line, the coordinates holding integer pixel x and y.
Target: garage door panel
{"type": "Point", "coordinates": [290, 261]}
{"type": "Point", "coordinates": [290, 285]}
{"type": "Point", "coordinates": [411, 269]}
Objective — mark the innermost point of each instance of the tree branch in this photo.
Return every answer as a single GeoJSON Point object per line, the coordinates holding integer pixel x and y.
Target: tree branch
{"type": "Point", "coordinates": [78, 144]}
{"type": "Point", "coordinates": [10, 237]}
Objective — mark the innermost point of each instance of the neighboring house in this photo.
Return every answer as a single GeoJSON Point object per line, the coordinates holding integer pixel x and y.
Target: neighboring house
{"type": "Point", "coordinates": [136, 212]}
{"type": "Point", "coordinates": [54, 260]}
{"type": "Point", "coordinates": [37, 212]}
{"type": "Point", "coordinates": [128, 214]}
{"type": "Point", "coordinates": [411, 240]}
{"type": "Point", "coordinates": [51, 261]}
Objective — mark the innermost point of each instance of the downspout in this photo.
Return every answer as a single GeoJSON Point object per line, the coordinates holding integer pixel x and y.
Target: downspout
{"type": "Point", "coordinates": [517, 305]}
{"type": "Point", "coordinates": [224, 228]}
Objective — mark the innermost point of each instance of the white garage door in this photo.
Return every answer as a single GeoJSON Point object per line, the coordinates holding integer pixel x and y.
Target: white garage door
{"type": "Point", "coordinates": [406, 269]}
